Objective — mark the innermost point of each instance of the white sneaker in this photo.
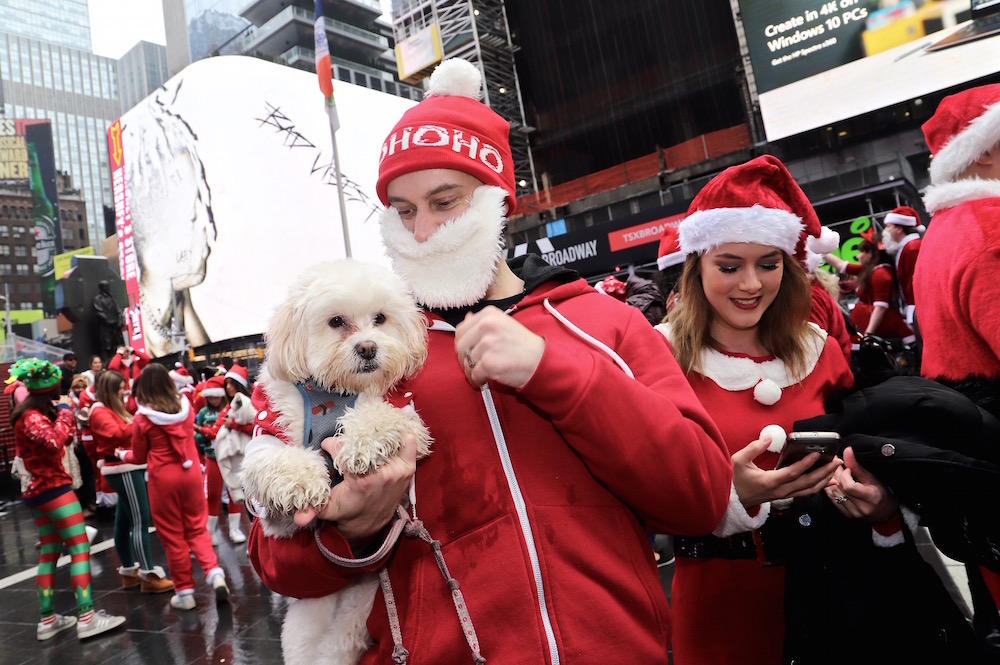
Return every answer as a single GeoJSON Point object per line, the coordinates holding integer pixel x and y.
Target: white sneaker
{"type": "Point", "coordinates": [183, 601]}
{"type": "Point", "coordinates": [101, 622]}
{"type": "Point", "coordinates": [48, 631]}
{"type": "Point", "coordinates": [91, 533]}
{"type": "Point", "coordinates": [220, 587]}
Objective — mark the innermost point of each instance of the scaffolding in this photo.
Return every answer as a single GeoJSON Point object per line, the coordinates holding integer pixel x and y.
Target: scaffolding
{"type": "Point", "coordinates": [478, 31]}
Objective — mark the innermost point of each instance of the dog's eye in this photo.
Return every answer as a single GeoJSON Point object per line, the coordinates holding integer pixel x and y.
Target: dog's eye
{"type": "Point", "coordinates": [379, 319]}
{"type": "Point", "coordinates": [337, 322]}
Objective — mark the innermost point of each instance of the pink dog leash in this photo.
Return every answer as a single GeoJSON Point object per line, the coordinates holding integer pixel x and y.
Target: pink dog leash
{"type": "Point", "coordinates": [412, 528]}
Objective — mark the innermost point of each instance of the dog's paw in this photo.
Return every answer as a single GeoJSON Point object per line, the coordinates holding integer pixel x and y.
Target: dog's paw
{"type": "Point", "coordinates": [282, 480]}
{"type": "Point", "coordinates": [372, 432]}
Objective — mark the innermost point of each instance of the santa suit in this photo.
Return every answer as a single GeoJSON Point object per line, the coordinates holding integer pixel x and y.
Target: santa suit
{"type": "Point", "coordinates": [732, 610]}
{"type": "Point", "coordinates": [101, 486]}
{"type": "Point", "coordinates": [541, 497]}
{"type": "Point", "coordinates": [165, 442]}
{"type": "Point", "coordinates": [956, 286]}
{"type": "Point", "coordinates": [879, 292]}
{"type": "Point", "coordinates": [906, 262]}
{"type": "Point", "coordinates": [130, 371]}
{"type": "Point", "coordinates": [825, 313]}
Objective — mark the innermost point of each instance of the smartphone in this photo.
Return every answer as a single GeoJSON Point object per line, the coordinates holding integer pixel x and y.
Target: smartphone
{"type": "Point", "coordinates": [800, 444]}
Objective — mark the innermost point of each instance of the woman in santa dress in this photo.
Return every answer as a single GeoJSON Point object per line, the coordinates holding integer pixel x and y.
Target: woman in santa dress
{"type": "Point", "coordinates": [741, 335]}
{"type": "Point", "coordinates": [877, 311]}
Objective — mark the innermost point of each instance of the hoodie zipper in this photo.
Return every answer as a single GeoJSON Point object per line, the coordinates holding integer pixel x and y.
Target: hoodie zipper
{"type": "Point", "coordinates": [518, 498]}
{"type": "Point", "coordinates": [522, 516]}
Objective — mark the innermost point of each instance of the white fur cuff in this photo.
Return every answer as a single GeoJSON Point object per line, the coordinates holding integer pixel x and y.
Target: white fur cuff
{"type": "Point", "coordinates": [737, 519]}
{"type": "Point", "coordinates": [705, 230]}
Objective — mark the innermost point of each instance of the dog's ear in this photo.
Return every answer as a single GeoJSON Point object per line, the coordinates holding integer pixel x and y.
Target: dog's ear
{"type": "Point", "coordinates": [415, 332]}
{"type": "Point", "coordinates": [286, 348]}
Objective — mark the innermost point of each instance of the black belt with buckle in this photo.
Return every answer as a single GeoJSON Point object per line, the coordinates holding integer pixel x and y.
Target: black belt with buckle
{"type": "Point", "coordinates": [763, 546]}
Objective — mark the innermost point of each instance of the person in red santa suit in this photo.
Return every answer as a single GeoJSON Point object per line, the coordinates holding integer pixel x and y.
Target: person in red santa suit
{"type": "Point", "coordinates": [564, 432]}
{"type": "Point", "coordinates": [741, 334]}
{"type": "Point", "coordinates": [183, 382]}
{"type": "Point", "coordinates": [129, 363]}
{"type": "Point", "coordinates": [105, 495]}
{"type": "Point", "coordinates": [234, 382]}
{"type": "Point", "coordinates": [877, 311]}
{"type": "Point", "coordinates": [901, 238]}
{"type": "Point", "coordinates": [955, 283]}
{"type": "Point", "coordinates": [163, 439]}
{"type": "Point", "coordinates": [825, 310]}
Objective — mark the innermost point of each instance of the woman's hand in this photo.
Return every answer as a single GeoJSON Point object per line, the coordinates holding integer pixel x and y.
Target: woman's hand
{"type": "Point", "coordinates": [362, 505]}
{"type": "Point", "coordinates": [866, 497]}
{"type": "Point", "coordinates": [755, 485]}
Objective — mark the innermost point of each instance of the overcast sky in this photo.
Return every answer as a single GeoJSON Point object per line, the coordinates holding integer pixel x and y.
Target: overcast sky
{"type": "Point", "coordinates": [117, 25]}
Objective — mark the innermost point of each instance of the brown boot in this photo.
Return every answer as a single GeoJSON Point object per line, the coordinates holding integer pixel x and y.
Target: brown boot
{"type": "Point", "coordinates": [130, 577]}
{"type": "Point", "coordinates": [156, 583]}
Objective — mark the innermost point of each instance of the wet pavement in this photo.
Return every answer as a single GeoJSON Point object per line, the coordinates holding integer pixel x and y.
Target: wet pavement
{"type": "Point", "coordinates": [245, 631]}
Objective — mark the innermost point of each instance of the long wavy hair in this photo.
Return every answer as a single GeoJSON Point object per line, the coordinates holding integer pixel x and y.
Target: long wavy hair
{"type": "Point", "coordinates": [41, 402]}
{"type": "Point", "coordinates": [106, 391]}
{"type": "Point", "coordinates": [876, 257]}
{"type": "Point", "coordinates": [783, 327]}
{"type": "Point", "coordinates": [154, 389]}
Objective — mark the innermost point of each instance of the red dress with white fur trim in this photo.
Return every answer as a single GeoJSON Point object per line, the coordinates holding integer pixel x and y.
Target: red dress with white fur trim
{"type": "Point", "coordinates": [732, 611]}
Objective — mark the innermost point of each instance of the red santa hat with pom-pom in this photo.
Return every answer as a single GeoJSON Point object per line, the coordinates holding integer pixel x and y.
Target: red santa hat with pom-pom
{"type": "Point", "coordinates": [450, 129]}
{"type": "Point", "coordinates": [180, 376]}
{"type": "Point", "coordinates": [904, 216]}
{"type": "Point", "coordinates": [755, 202]}
{"type": "Point", "coordinates": [669, 253]}
{"type": "Point", "coordinates": [964, 127]}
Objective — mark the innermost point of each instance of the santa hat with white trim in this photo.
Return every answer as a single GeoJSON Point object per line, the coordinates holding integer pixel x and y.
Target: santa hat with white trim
{"type": "Point", "coordinates": [904, 216]}
{"type": "Point", "coordinates": [238, 373]}
{"type": "Point", "coordinates": [755, 202]}
{"type": "Point", "coordinates": [965, 126]}
{"type": "Point", "coordinates": [214, 387]}
{"type": "Point", "coordinates": [180, 376]}
{"type": "Point", "coordinates": [669, 253]}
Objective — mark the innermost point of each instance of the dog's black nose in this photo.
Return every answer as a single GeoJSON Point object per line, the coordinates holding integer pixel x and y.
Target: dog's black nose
{"type": "Point", "coordinates": [366, 349]}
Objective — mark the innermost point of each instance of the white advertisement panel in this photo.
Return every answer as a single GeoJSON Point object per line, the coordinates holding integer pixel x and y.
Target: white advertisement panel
{"type": "Point", "coordinates": [231, 184]}
{"type": "Point", "coordinates": [817, 62]}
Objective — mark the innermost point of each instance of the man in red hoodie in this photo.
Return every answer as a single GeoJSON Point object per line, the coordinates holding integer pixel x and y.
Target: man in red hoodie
{"type": "Point", "coordinates": [564, 433]}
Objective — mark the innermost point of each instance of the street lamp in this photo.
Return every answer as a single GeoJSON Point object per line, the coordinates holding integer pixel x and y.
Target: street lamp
{"type": "Point", "coordinates": [6, 300]}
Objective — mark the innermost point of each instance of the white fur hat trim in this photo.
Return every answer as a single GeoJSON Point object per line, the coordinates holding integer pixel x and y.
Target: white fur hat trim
{"type": "Point", "coordinates": [964, 148]}
{"type": "Point", "coordinates": [669, 260]}
{"type": "Point", "coordinates": [827, 241]}
{"type": "Point", "coordinates": [778, 437]}
{"type": "Point", "coordinates": [704, 230]}
{"type": "Point", "coordinates": [456, 78]}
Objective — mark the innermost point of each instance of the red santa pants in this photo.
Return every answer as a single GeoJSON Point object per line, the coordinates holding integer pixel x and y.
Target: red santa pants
{"type": "Point", "coordinates": [179, 512]}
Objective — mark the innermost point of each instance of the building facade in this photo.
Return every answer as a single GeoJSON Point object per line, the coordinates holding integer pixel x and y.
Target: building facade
{"type": "Point", "coordinates": [282, 31]}
{"type": "Point", "coordinates": [78, 92]}
{"type": "Point", "coordinates": [140, 71]}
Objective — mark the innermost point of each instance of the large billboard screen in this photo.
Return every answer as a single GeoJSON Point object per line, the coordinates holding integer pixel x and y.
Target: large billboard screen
{"type": "Point", "coordinates": [817, 62]}
{"type": "Point", "coordinates": [27, 161]}
{"type": "Point", "coordinates": [225, 189]}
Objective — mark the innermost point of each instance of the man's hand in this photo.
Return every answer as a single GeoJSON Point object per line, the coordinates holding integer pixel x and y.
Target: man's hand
{"type": "Point", "coordinates": [492, 345]}
{"type": "Point", "coordinates": [362, 505]}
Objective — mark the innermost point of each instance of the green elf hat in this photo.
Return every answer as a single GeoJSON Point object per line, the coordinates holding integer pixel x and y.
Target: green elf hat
{"type": "Point", "coordinates": [39, 376]}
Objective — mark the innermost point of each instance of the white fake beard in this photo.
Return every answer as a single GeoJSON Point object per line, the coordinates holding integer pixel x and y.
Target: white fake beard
{"type": "Point", "coordinates": [457, 264]}
{"type": "Point", "coordinates": [890, 244]}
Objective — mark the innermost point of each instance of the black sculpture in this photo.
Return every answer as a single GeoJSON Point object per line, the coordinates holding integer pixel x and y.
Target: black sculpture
{"type": "Point", "coordinates": [109, 320]}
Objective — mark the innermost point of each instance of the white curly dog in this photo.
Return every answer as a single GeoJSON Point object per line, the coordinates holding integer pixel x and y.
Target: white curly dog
{"type": "Point", "coordinates": [346, 329]}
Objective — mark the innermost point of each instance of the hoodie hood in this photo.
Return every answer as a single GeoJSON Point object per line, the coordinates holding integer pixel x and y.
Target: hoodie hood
{"type": "Point", "coordinates": [166, 419]}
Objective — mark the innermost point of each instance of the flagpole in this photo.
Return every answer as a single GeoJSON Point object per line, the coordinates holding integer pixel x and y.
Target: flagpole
{"type": "Point", "coordinates": [334, 124]}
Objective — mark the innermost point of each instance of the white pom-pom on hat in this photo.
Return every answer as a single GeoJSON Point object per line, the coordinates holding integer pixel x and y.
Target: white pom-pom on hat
{"type": "Point", "coordinates": [813, 261]}
{"type": "Point", "coordinates": [767, 392]}
{"type": "Point", "coordinates": [778, 436]}
{"type": "Point", "coordinates": [456, 78]}
{"type": "Point", "coordinates": [827, 241]}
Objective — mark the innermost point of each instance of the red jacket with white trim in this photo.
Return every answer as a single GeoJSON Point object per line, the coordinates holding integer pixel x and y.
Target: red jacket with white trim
{"type": "Point", "coordinates": [541, 497]}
